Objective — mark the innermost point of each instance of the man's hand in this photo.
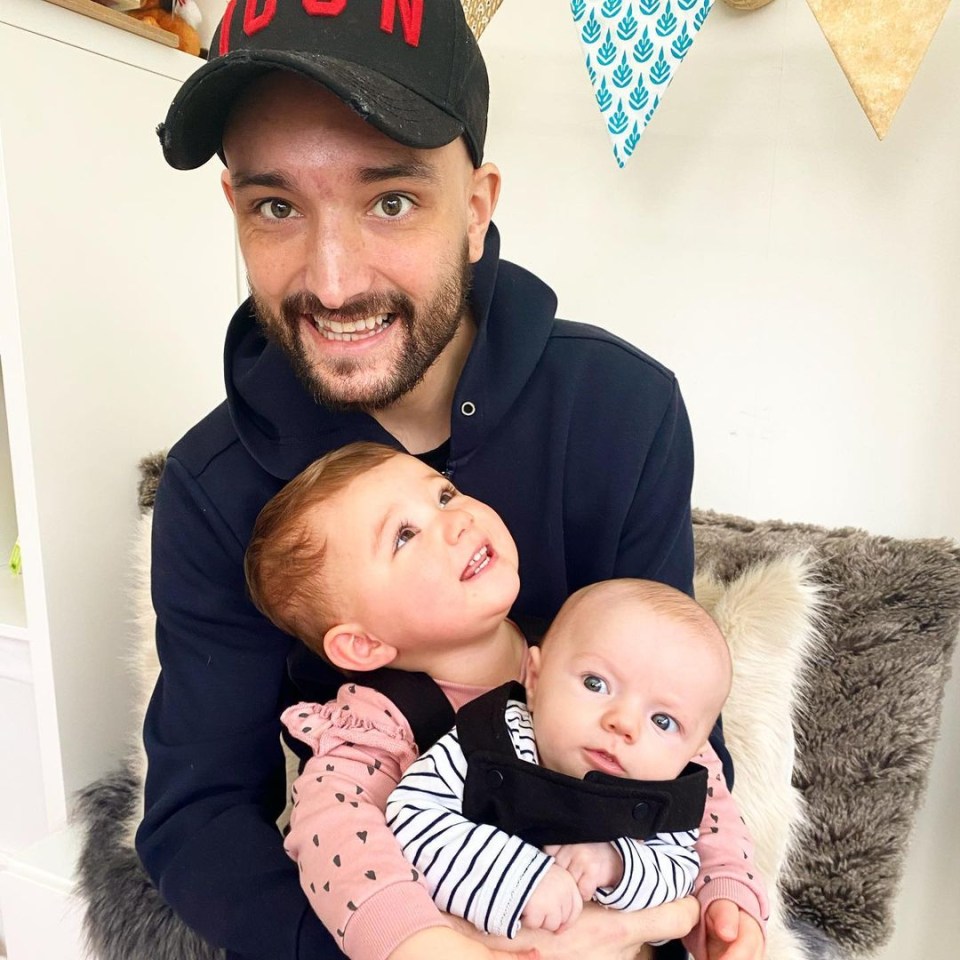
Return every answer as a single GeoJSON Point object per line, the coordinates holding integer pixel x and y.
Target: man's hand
{"type": "Point", "coordinates": [446, 942]}
{"type": "Point", "coordinates": [592, 865]}
{"type": "Point", "coordinates": [731, 933]}
{"type": "Point", "coordinates": [554, 903]}
{"type": "Point", "coordinates": [602, 934]}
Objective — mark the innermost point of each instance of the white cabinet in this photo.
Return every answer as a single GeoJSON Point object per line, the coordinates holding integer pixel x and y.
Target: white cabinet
{"type": "Point", "coordinates": [117, 278]}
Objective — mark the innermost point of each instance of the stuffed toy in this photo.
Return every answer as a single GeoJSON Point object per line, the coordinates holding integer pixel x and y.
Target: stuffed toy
{"type": "Point", "coordinates": [180, 17]}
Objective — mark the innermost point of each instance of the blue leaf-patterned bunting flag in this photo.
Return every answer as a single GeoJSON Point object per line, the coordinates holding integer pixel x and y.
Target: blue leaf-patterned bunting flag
{"type": "Point", "coordinates": [633, 49]}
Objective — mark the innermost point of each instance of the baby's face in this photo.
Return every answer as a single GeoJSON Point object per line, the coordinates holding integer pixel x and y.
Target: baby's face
{"type": "Point", "coordinates": [414, 561]}
{"type": "Point", "coordinates": [630, 692]}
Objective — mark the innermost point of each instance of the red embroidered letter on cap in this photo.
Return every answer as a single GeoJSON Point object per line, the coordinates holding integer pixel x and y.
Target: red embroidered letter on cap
{"type": "Point", "coordinates": [324, 8]}
{"type": "Point", "coordinates": [411, 16]}
{"type": "Point", "coordinates": [225, 27]}
{"type": "Point", "coordinates": [253, 21]}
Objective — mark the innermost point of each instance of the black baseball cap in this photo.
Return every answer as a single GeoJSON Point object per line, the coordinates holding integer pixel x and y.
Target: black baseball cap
{"type": "Point", "coordinates": [411, 68]}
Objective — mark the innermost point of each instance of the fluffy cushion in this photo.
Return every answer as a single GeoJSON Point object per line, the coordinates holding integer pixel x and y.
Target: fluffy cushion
{"type": "Point", "coordinates": [768, 614]}
{"type": "Point", "coordinates": [871, 713]}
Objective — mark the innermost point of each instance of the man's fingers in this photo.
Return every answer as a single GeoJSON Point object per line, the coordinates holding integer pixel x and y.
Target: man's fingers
{"type": "Point", "coordinates": [531, 954]}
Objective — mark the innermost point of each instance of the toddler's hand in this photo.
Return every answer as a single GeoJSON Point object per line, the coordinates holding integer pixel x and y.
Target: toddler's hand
{"type": "Point", "coordinates": [592, 865]}
{"type": "Point", "coordinates": [731, 933]}
{"type": "Point", "coordinates": [554, 903]}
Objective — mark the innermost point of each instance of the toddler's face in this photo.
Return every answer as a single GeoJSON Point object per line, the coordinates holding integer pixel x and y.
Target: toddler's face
{"type": "Point", "coordinates": [414, 561]}
{"type": "Point", "coordinates": [630, 692]}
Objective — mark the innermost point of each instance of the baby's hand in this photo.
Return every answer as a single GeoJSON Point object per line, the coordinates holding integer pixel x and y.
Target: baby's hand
{"type": "Point", "coordinates": [592, 865]}
{"type": "Point", "coordinates": [555, 902]}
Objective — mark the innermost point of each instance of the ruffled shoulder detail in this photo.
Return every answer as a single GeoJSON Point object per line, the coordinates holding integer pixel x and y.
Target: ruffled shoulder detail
{"type": "Point", "coordinates": [358, 716]}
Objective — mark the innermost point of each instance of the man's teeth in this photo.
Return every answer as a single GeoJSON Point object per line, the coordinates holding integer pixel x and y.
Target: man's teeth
{"type": "Point", "coordinates": [353, 329]}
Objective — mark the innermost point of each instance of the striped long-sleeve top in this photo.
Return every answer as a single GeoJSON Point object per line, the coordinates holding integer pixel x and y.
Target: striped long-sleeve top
{"type": "Point", "coordinates": [485, 875]}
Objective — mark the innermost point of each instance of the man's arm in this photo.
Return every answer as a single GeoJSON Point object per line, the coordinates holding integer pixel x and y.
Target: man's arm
{"type": "Point", "coordinates": [656, 541]}
{"type": "Point", "coordinates": [215, 782]}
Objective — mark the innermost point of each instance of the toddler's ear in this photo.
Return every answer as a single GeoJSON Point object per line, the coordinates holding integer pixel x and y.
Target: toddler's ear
{"type": "Point", "coordinates": [349, 647]}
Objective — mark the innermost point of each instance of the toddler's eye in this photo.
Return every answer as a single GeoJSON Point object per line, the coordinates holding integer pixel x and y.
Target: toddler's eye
{"type": "Point", "coordinates": [404, 535]}
{"type": "Point", "coordinates": [276, 209]}
{"type": "Point", "coordinates": [595, 684]}
{"type": "Point", "coordinates": [391, 206]}
{"type": "Point", "coordinates": [446, 495]}
{"type": "Point", "coordinates": [665, 722]}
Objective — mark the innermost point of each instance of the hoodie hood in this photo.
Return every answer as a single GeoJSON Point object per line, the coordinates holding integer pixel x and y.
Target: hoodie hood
{"type": "Point", "coordinates": [284, 428]}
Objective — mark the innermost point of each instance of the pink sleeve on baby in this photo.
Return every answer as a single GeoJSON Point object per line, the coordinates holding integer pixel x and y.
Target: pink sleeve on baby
{"type": "Point", "coordinates": [351, 868]}
{"type": "Point", "coordinates": [725, 846]}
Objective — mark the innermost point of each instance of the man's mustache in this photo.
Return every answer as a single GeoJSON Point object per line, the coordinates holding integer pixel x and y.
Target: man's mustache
{"type": "Point", "coordinates": [370, 305]}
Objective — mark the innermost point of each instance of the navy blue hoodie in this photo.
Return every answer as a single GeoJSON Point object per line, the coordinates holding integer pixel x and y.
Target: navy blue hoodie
{"type": "Point", "coordinates": [579, 440]}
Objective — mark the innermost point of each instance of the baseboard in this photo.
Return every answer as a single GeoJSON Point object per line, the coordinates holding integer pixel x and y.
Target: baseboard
{"type": "Point", "coordinates": [41, 917]}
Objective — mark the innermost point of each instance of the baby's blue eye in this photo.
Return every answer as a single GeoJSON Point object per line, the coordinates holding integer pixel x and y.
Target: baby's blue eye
{"type": "Point", "coordinates": [595, 684]}
{"type": "Point", "coordinates": [665, 722]}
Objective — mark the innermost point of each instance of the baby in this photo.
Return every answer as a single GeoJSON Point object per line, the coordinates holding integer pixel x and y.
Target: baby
{"type": "Point", "coordinates": [627, 683]}
{"type": "Point", "coordinates": [374, 559]}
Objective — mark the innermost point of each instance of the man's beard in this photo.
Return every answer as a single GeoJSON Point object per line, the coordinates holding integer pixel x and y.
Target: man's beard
{"type": "Point", "coordinates": [426, 332]}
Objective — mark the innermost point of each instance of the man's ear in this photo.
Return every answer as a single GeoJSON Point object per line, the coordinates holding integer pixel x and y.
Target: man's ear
{"type": "Point", "coordinates": [227, 184]}
{"type": "Point", "coordinates": [349, 647]}
{"type": "Point", "coordinates": [485, 190]}
{"type": "Point", "coordinates": [533, 675]}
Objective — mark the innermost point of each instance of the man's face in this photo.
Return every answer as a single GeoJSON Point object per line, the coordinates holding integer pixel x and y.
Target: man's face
{"type": "Point", "coordinates": [630, 692]}
{"type": "Point", "coordinates": [357, 248]}
{"type": "Point", "coordinates": [416, 563]}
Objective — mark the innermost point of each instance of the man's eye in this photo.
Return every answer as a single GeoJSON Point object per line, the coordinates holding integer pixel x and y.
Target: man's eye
{"type": "Point", "coordinates": [391, 206]}
{"type": "Point", "coordinates": [665, 722]}
{"type": "Point", "coordinates": [275, 209]}
{"type": "Point", "coordinates": [404, 535]}
{"type": "Point", "coordinates": [595, 684]}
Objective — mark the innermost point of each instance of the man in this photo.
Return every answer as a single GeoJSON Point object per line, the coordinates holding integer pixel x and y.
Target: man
{"type": "Point", "coordinates": [352, 134]}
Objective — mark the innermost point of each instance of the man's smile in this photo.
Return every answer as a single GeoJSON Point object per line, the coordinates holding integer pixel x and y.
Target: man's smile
{"type": "Point", "coordinates": [351, 330]}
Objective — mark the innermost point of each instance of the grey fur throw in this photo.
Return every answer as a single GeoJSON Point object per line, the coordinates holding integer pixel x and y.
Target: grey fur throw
{"type": "Point", "coordinates": [872, 712]}
{"type": "Point", "coordinates": [866, 735]}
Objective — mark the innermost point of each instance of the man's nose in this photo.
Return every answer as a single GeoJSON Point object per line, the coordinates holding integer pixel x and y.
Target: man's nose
{"type": "Point", "coordinates": [337, 268]}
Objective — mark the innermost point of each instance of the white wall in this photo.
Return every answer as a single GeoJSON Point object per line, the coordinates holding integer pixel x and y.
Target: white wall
{"type": "Point", "coordinates": [798, 275]}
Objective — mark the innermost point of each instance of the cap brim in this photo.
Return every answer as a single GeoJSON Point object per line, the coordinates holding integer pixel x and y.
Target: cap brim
{"type": "Point", "coordinates": [193, 130]}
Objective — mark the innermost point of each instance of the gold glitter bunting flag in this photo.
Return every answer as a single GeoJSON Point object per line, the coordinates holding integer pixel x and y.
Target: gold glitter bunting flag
{"type": "Point", "coordinates": [879, 44]}
{"type": "Point", "coordinates": [480, 13]}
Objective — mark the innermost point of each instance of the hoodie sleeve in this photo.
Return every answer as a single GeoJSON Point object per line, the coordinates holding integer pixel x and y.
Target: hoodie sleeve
{"type": "Point", "coordinates": [215, 782]}
{"type": "Point", "coordinates": [656, 542]}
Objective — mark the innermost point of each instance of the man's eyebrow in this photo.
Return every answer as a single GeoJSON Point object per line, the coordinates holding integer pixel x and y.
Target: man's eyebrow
{"type": "Point", "coordinates": [275, 181]}
{"type": "Point", "coordinates": [412, 169]}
